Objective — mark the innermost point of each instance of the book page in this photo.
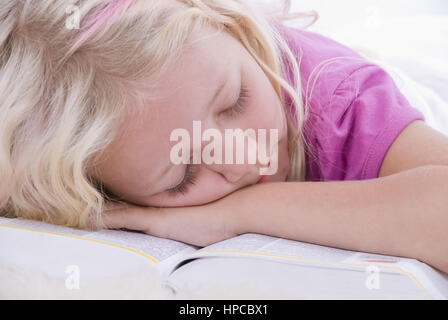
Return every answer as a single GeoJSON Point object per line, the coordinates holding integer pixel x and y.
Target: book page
{"type": "Point", "coordinates": [237, 277]}
{"type": "Point", "coordinates": [414, 273]}
{"type": "Point", "coordinates": [273, 248]}
{"type": "Point", "coordinates": [165, 252]}
{"type": "Point", "coordinates": [429, 279]}
{"type": "Point", "coordinates": [433, 280]}
{"type": "Point", "coordinates": [44, 246]}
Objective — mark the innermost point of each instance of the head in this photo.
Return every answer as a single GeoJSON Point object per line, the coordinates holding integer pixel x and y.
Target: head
{"type": "Point", "coordinates": [89, 112]}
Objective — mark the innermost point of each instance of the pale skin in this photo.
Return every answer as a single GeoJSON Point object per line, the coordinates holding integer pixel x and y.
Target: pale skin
{"type": "Point", "coordinates": [403, 212]}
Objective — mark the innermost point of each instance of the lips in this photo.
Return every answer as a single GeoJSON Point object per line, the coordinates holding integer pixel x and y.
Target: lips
{"type": "Point", "coordinates": [261, 179]}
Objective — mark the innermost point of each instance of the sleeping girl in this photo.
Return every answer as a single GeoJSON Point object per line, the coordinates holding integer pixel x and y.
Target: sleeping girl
{"type": "Point", "coordinates": [98, 120]}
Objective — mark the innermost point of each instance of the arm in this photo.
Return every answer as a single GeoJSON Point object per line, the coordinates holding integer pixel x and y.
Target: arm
{"type": "Point", "coordinates": [405, 214]}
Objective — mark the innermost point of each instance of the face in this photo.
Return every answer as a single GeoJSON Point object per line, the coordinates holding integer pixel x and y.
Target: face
{"type": "Point", "coordinates": [217, 82]}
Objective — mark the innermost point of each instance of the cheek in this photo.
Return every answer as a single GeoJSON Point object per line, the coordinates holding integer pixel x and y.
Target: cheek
{"type": "Point", "coordinates": [266, 109]}
{"type": "Point", "coordinates": [267, 113]}
{"type": "Point", "coordinates": [265, 105]}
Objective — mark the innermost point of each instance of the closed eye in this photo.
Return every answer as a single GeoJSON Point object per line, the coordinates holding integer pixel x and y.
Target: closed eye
{"type": "Point", "coordinates": [240, 106]}
{"type": "Point", "coordinates": [189, 179]}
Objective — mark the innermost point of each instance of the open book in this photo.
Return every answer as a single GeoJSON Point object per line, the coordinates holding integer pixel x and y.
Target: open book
{"type": "Point", "coordinates": [39, 260]}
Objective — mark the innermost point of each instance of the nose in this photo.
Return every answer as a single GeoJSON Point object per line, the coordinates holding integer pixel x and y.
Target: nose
{"type": "Point", "coordinates": [236, 173]}
{"type": "Point", "coordinates": [247, 172]}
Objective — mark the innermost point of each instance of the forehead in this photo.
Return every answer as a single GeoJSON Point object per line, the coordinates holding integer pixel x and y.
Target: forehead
{"type": "Point", "coordinates": [181, 93]}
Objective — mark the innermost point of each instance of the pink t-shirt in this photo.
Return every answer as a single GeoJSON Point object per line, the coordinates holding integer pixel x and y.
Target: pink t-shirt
{"type": "Point", "coordinates": [355, 109]}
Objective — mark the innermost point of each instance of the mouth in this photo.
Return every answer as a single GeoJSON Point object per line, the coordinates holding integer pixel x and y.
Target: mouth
{"type": "Point", "coordinates": [261, 180]}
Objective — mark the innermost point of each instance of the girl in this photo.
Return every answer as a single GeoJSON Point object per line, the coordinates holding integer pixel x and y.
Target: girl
{"type": "Point", "coordinates": [92, 91]}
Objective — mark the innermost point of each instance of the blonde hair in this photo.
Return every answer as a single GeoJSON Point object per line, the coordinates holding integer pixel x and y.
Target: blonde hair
{"type": "Point", "coordinates": [65, 91]}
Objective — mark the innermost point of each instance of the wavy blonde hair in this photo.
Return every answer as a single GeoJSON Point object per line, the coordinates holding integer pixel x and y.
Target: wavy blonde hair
{"type": "Point", "coordinates": [65, 91]}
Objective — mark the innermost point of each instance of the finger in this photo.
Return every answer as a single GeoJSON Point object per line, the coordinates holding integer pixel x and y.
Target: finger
{"type": "Point", "coordinates": [113, 219]}
{"type": "Point", "coordinates": [122, 218]}
{"type": "Point", "coordinates": [111, 205]}
{"type": "Point", "coordinates": [112, 214]}
{"type": "Point", "coordinates": [135, 218]}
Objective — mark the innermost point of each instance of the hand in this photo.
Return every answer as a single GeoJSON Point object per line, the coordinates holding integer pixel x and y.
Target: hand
{"type": "Point", "coordinates": [197, 225]}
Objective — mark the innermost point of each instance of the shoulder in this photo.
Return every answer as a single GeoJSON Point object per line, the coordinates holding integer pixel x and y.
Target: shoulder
{"type": "Point", "coordinates": [355, 108]}
{"type": "Point", "coordinates": [324, 64]}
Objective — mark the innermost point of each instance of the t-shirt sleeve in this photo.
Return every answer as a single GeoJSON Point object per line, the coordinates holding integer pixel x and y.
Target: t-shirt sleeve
{"type": "Point", "coordinates": [355, 128]}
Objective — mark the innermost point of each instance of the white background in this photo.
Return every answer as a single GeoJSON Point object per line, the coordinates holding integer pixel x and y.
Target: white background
{"type": "Point", "coordinates": [409, 35]}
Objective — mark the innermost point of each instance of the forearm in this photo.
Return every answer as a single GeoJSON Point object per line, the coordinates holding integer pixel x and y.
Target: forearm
{"type": "Point", "coordinates": [405, 214]}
